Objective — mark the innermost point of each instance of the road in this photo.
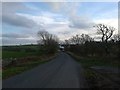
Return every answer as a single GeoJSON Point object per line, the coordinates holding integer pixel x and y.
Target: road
{"type": "Point", "coordinates": [61, 72]}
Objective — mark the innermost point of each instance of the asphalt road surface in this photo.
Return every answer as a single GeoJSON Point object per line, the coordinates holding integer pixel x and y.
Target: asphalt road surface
{"type": "Point", "coordinates": [61, 72]}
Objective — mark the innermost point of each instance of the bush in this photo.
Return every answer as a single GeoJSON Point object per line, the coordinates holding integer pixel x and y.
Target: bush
{"type": "Point", "coordinates": [96, 49]}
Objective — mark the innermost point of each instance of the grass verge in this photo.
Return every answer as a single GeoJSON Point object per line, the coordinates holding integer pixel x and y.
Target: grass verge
{"type": "Point", "coordinates": [95, 61]}
{"type": "Point", "coordinates": [96, 80]}
{"type": "Point", "coordinates": [13, 70]}
{"type": "Point", "coordinates": [0, 74]}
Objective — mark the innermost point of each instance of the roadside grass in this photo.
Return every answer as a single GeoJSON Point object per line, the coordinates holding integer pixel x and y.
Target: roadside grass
{"type": "Point", "coordinates": [13, 70]}
{"type": "Point", "coordinates": [17, 69]}
{"type": "Point", "coordinates": [0, 54]}
{"type": "Point", "coordinates": [27, 57]}
{"type": "Point", "coordinates": [87, 62]}
{"type": "Point", "coordinates": [95, 80]}
{"type": "Point", "coordinates": [0, 74]}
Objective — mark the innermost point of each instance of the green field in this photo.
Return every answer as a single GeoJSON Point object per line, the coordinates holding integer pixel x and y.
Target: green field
{"type": "Point", "coordinates": [19, 51]}
{"type": "Point", "coordinates": [15, 54]}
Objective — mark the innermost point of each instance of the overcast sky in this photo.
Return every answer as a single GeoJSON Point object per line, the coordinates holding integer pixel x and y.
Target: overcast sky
{"type": "Point", "coordinates": [22, 20]}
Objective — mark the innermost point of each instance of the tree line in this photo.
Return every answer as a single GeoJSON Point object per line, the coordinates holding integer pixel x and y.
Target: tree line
{"type": "Point", "coordinates": [83, 44]}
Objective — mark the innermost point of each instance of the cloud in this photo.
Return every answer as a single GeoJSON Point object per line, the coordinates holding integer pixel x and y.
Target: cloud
{"type": "Point", "coordinates": [77, 21]}
{"type": "Point", "coordinates": [49, 22]}
{"type": "Point", "coordinates": [41, 20]}
{"type": "Point", "coordinates": [17, 20]}
{"type": "Point", "coordinates": [9, 15]}
{"type": "Point", "coordinates": [62, 27]}
{"type": "Point", "coordinates": [14, 35]}
{"type": "Point", "coordinates": [57, 28]}
{"type": "Point", "coordinates": [24, 20]}
{"type": "Point", "coordinates": [13, 41]}
{"type": "Point", "coordinates": [70, 10]}
{"type": "Point", "coordinates": [13, 7]}
{"type": "Point", "coordinates": [56, 6]}
{"type": "Point", "coordinates": [16, 39]}
{"type": "Point", "coordinates": [81, 22]}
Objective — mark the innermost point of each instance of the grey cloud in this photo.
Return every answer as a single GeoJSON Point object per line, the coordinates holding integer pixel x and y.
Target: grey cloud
{"type": "Point", "coordinates": [11, 41]}
{"type": "Point", "coordinates": [64, 32]}
{"type": "Point", "coordinates": [54, 25]}
{"type": "Point", "coordinates": [17, 20]}
{"type": "Point", "coordinates": [80, 23]}
{"type": "Point", "coordinates": [14, 35]}
{"type": "Point", "coordinates": [70, 9]}
{"type": "Point", "coordinates": [10, 17]}
{"type": "Point", "coordinates": [16, 39]}
{"type": "Point", "coordinates": [13, 7]}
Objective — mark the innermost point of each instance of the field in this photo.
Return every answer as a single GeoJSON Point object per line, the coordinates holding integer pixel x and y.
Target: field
{"type": "Point", "coordinates": [19, 51]}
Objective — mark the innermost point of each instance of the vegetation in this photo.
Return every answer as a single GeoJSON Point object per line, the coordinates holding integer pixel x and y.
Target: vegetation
{"type": "Point", "coordinates": [91, 53]}
{"type": "Point", "coordinates": [95, 79]}
{"type": "Point", "coordinates": [27, 57]}
{"type": "Point", "coordinates": [105, 31]}
{"type": "Point", "coordinates": [48, 41]}
{"type": "Point", "coordinates": [15, 54]}
{"type": "Point", "coordinates": [19, 51]}
{"type": "Point", "coordinates": [88, 62]}
{"type": "Point", "coordinates": [84, 45]}
{"type": "Point", "coordinates": [17, 59]}
{"type": "Point", "coordinates": [21, 67]}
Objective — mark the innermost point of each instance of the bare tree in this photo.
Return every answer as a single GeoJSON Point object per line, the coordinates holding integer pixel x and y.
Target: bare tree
{"type": "Point", "coordinates": [49, 41]}
{"type": "Point", "coordinates": [42, 35]}
{"type": "Point", "coordinates": [67, 42]}
{"type": "Point", "coordinates": [47, 38]}
{"type": "Point", "coordinates": [86, 38]}
{"type": "Point", "coordinates": [81, 39]}
{"type": "Point", "coordinates": [105, 31]}
{"type": "Point", "coordinates": [116, 37]}
{"type": "Point", "coordinates": [76, 39]}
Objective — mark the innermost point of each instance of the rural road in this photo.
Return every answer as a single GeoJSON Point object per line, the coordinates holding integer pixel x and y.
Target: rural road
{"type": "Point", "coordinates": [61, 72]}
